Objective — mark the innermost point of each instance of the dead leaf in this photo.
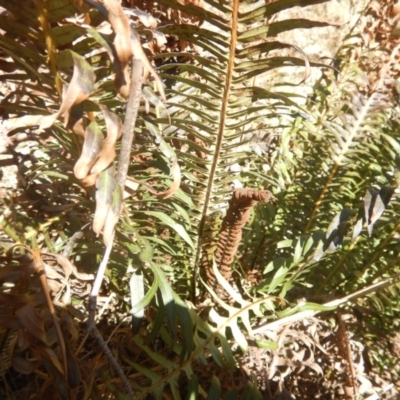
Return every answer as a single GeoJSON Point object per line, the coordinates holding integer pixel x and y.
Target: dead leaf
{"type": "Point", "coordinates": [130, 187]}
{"type": "Point", "coordinates": [10, 322]}
{"type": "Point", "coordinates": [159, 39]}
{"type": "Point", "coordinates": [90, 180]}
{"type": "Point", "coordinates": [145, 18]}
{"type": "Point", "coordinates": [114, 132]}
{"type": "Point", "coordinates": [127, 44]}
{"type": "Point", "coordinates": [120, 24]}
{"type": "Point", "coordinates": [21, 364]}
{"type": "Point", "coordinates": [105, 187]}
{"type": "Point", "coordinates": [74, 119]}
{"type": "Point", "coordinates": [140, 54]}
{"type": "Point", "coordinates": [91, 150]}
{"type": "Point", "coordinates": [122, 79]}
{"type": "Point", "coordinates": [74, 373]}
{"type": "Point", "coordinates": [13, 299]}
{"type": "Point", "coordinates": [70, 268]}
{"type": "Point", "coordinates": [32, 322]}
{"type": "Point", "coordinates": [78, 90]}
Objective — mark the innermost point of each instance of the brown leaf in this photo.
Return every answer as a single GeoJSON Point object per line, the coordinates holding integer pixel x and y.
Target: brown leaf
{"type": "Point", "coordinates": [32, 322]}
{"type": "Point", "coordinates": [90, 180]}
{"type": "Point", "coordinates": [81, 5]}
{"type": "Point", "coordinates": [105, 187]}
{"type": "Point", "coordinates": [50, 355]}
{"type": "Point", "coordinates": [10, 322]}
{"type": "Point", "coordinates": [91, 150]}
{"type": "Point", "coordinates": [140, 54]}
{"type": "Point", "coordinates": [122, 79]}
{"type": "Point", "coordinates": [21, 364]}
{"type": "Point", "coordinates": [120, 24]}
{"type": "Point", "coordinates": [12, 299]}
{"type": "Point", "coordinates": [113, 122]}
{"type": "Point", "coordinates": [74, 373]}
{"type": "Point", "coordinates": [70, 268]}
{"type": "Point", "coordinates": [159, 39]}
{"type": "Point", "coordinates": [130, 187]}
{"type": "Point", "coordinates": [114, 132]}
{"type": "Point", "coordinates": [15, 273]}
{"type": "Point", "coordinates": [78, 90]}
{"type": "Point", "coordinates": [74, 119]}
{"type": "Point", "coordinates": [145, 18]}
{"type": "Point", "coordinates": [127, 44]}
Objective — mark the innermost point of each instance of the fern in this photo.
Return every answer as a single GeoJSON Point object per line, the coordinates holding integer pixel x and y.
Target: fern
{"type": "Point", "coordinates": [197, 292]}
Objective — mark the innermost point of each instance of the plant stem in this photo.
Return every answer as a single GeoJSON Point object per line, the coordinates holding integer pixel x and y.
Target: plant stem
{"type": "Point", "coordinates": [123, 166]}
{"type": "Point", "coordinates": [132, 108]}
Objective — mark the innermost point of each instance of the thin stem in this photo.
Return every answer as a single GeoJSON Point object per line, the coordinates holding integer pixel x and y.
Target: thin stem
{"type": "Point", "coordinates": [92, 323]}
{"type": "Point", "coordinates": [132, 108]}
{"type": "Point", "coordinates": [123, 166]}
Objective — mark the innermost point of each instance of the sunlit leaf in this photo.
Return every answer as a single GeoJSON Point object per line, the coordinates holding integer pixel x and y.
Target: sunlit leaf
{"type": "Point", "coordinates": [113, 214]}
{"type": "Point", "coordinates": [78, 90]}
{"type": "Point", "coordinates": [375, 203]}
{"type": "Point", "coordinates": [105, 189]}
{"type": "Point", "coordinates": [91, 150]}
{"type": "Point", "coordinates": [114, 131]}
{"type": "Point", "coordinates": [178, 228]}
{"type": "Point", "coordinates": [167, 295]}
{"type": "Point", "coordinates": [139, 300]}
{"type": "Point", "coordinates": [266, 344]}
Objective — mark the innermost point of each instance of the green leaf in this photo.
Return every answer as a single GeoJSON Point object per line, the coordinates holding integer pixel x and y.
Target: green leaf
{"type": "Point", "coordinates": [214, 390]}
{"type": "Point", "coordinates": [146, 253]}
{"type": "Point", "coordinates": [278, 278]}
{"type": "Point", "coordinates": [178, 228]}
{"type": "Point", "coordinates": [251, 392]}
{"type": "Point", "coordinates": [266, 344]}
{"type": "Point", "coordinates": [193, 388]}
{"type": "Point", "coordinates": [167, 295]}
{"type": "Point", "coordinates": [139, 300]}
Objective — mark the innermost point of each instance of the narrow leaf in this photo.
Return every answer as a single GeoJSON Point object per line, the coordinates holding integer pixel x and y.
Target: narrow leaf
{"type": "Point", "coordinates": [139, 300]}
{"type": "Point", "coordinates": [105, 187]}
{"type": "Point", "coordinates": [113, 214]}
{"type": "Point", "coordinates": [32, 322]}
{"type": "Point", "coordinates": [91, 149]}
{"type": "Point", "coordinates": [167, 295]}
{"type": "Point", "coordinates": [178, 228]}
{"type": "Point", "coordinates": [114, 131]}
{"type": "Point", "coordinates": [79, 89]}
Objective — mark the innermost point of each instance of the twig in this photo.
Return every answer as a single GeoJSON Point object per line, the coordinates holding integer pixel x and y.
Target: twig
{"type": "Point", "coordinates": [123, 165]}
{"type": "Point", "coordinates": [344, 349]}
{"type": "Point", "coordinates": [92, 323]}
{"type": "Point", "coordinates": [132, 108]}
